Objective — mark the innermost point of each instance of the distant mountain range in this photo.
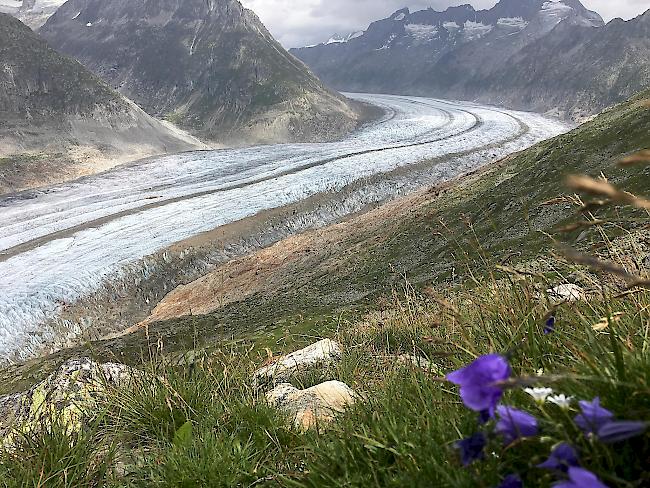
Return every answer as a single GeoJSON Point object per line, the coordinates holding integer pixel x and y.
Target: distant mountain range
{"type": "Point", "coordinates": [51, 105]}
{"type": "Point", "coordinates": [544, 55]}
{"type": "Point", "coordinates": [209, 66]}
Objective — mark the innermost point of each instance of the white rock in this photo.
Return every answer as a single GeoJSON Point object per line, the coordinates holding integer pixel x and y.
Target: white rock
{"type": "Point", "coordinates": [314, 406]}
{"type": "Point", "coordinates": [322, 353]}
{"type": "Point", "coordinates": [567, 292]}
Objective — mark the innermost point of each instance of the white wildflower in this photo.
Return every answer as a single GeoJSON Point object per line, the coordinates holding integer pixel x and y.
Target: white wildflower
{"type": "Point", "coordinates": [561, 401]}
{"type": "Point", "coordinates": [539, 394]}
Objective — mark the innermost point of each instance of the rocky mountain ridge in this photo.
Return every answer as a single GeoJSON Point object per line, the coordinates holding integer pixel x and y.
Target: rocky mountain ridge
{"type": "Point", "coordinates": [209, 66]}
{"type": "Point", "coordinates": [33, 13]}
{"type": "Point", "coordinates": [58, 120]}
{"type": "Point", "coordinates": [467, 54]}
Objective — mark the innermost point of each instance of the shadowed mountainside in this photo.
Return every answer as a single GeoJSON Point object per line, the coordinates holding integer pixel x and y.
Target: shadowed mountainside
{"type": "Point", "coordinates": [209, 66]}
{"type": "Point", "coordinates": [58, 120]}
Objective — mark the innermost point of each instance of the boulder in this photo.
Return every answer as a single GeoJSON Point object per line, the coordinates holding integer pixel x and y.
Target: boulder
{"type": "Point", "coordinates": [314, 407]}
{"type": "Point", "coordinates": [322, 353]}
{"type": "Point", "coordinates": [69, 396]}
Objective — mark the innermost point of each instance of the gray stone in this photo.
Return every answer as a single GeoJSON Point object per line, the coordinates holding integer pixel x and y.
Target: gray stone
{"type": "Point", "coordinates": [567, 292]}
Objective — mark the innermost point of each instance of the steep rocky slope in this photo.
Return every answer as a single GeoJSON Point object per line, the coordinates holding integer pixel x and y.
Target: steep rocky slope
{"type": "Point", "coordinates": [528, 54]}
{"type": "Point", "coordinates": [58, 121]}
{"type": "Point", "coordinates": [577, 71]}
{"type": "Point", "coordinates": [33, 13]}
{"type": "Point", "coordinates": [210, 66]}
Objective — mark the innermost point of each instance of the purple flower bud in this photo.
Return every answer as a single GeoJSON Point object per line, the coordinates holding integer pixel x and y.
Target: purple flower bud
{"type": "Point", "coordinates": [580, 478]}
{"type": "Point", "coordinates": [514, 424]}
{"type": "Point", "coordinates": [620, 431]}
{"type": "Point", "coordinates": [512, 481]}
{"type": "Point", "coordinates": [561, 459]}
{"type": "Point", "coordinates": [549, 326]}
{"type": "Point", "coordinates": [593, 416]}
{"type": "Point", "coordinates": [478, 382]}
{"type": "Point", "coordinates": [472, 448]}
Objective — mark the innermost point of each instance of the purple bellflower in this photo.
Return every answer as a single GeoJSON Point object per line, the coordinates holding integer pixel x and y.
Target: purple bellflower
{"type": "Point", "coordinates": [580, 478]}
{"type": "Point", "coordinates": [514, 424]}
{"type": "Point", "coordinates": [478, 382]}
{"type": "Point", "coordinates": [512, 481]}
{"type": "Point", "coordinates": [593, 416]}
{"type": "Point", "coordinates": [561, 459]}
{"type": "Point", "coordinates": [471, 449]}
{"type": "Point", "coordinates": [617, 431]}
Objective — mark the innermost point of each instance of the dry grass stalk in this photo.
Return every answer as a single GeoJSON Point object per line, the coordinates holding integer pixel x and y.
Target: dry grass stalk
{"type": "Point", "coordinates": [517, 272]}
{"type": "Point", "coordinates": [580, 225]}
{"type": "Point", "coordinates": [594, 205]}
{"type": "Point", "coordinates": [557, 201]}
{"type": "Point", "coordinates": [603, 188]}
{"type": "Point", "coordinates": [608, 267]}
{"type": "Point", "coordinates": [641, 157]}
{"type": "Point", "coordinates": [430, 292]}
{"type": "Point", "coordinates": [605, 321]}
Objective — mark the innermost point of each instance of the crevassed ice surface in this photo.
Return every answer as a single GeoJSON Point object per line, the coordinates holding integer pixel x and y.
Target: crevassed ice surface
{"type": "Point", "coordinates": [60, 244]}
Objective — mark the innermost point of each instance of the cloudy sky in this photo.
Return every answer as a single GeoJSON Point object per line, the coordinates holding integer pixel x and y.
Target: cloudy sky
{"type": "Point", "coordinates": [303, 22]}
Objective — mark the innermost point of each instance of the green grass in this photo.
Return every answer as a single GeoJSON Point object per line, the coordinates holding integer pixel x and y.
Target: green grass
{"type": "Point", "coordinates": [402, 434]}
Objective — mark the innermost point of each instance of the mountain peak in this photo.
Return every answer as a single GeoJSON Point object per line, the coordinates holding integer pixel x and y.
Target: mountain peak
{"type": "Point", "coordinates": [401, 14]}
{"type": "Point", "coordinates": [211, 66]}
{"type": "Point", "coordinates": [465, 7]}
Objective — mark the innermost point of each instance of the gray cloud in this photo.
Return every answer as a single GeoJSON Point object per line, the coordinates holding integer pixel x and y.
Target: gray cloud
{"type": "Point", "coordinates": [303, 22]}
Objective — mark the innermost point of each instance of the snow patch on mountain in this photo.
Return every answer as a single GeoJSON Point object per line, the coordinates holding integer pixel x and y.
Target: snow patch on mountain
{"type": "Point", "coordinates": [422, 33]}
{"type": "Point", "coordinates": [556, 9]}
{"type": "Point", "coordinates": [513, 22]}
{"type": "Point", "coordinates": [10, 6]}
{"type": "Point", "coordinates": [390, 40]}
{"type": "Point", "coordinates": [338, 39]}
{"type": "Point", "coordinates": [335, 39]}
{"type": "Point", "coordinates": [33, 15]}
{"type": "Point", "coordinates": [476, 30]}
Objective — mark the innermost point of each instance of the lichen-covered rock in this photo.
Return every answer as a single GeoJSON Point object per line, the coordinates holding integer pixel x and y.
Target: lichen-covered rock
{"type": "Point", "coordinates": [322, 353]}
{"type": "Point", "coordinates": [67, 396]}
{"type": "Point", "coordinates": [313, 407]}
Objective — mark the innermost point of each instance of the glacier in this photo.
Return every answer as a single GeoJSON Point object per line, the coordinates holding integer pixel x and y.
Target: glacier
{"type": "Point", "coordinates": [62, 243]}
